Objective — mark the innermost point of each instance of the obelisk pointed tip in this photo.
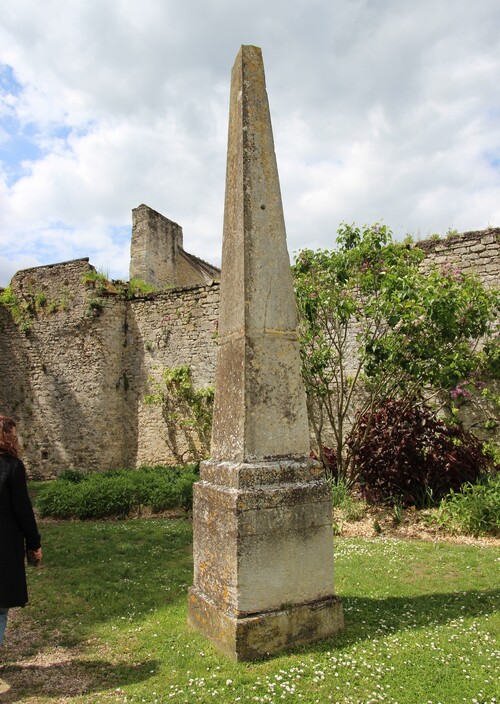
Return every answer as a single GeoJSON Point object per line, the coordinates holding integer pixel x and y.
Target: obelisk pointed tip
{"type": "Point", "coordinates": [249, 51]}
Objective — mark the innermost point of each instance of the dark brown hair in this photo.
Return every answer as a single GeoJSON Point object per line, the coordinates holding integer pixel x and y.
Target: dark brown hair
{"type": "Point", "coordinates": [8, 440]}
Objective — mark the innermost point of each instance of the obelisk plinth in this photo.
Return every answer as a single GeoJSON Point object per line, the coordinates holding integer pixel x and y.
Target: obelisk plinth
{"type": "Point", "coordinates": [262, 519]}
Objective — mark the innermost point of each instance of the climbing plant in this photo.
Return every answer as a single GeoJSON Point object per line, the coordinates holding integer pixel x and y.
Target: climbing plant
{"type": "Point", "coordinates": [187, 412]}
{"type": "Point", "coordinates": [24, 309]}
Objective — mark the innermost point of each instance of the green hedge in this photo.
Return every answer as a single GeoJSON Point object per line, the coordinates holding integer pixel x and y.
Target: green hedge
{"type": "Point", "coordinates": [118, 493]}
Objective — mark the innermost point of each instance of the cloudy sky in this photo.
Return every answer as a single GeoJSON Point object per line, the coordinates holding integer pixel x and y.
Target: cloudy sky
{"type": "Point", "coordinates": [382, 110]}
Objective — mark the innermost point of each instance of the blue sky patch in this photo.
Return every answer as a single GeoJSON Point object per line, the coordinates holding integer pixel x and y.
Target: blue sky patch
{"type": "Point", "coordinates": [19, 142]}
{"type": "Point", "coordinates": [20, 146]}
{"type": "Point", "coordinates": [121, 234]}
{"type": "Point", "coordinates": [8, 82]}
{"type": "Point", "coordinates": [493, 159]}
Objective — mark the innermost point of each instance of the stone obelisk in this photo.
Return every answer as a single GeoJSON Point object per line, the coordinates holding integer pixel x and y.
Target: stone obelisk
{"type": "Point", "coordinates": [263, 555]}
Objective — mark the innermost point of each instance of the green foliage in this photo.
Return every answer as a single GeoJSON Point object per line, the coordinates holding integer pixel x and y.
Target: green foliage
{"type": "Point", "coordinates": [73, 476]}
{"type": "Point", "coordinates": [101, 284]}
{"type": "Point", "coordinates": [415, 333]}
{"type": "Point", "coordinates": [397, 511]}
{"type": "Point", "coordinates": [491, 450]}
{"type": "Point", "coordinates": [131, 289]}
{"type": "Point", "coordinates": [7, 297]}
{"type": "Point", "coordinates": [490, 356]}
{"type": "Point", "coordinates": [116, 493]}
{"type": "Point", "coordinates": [21, 310]}
{"type": "Point", "coordinates": [137, 287]}
{"type": "Point", "coordinates": [474, 403]}
{"type": "Point", "coordinates": [40, 300]}
{"type": "Point", "coordinates": [26, 308]}
{"type": "Point", "coordinates": [346, 506]}
{"type": "Point", "coordinates": [187, 411]}
{"type": "Point", "coordinates": [94, 307]}
{"type": "Point", "coordinates": [93, 276]}
{"type": "Point", "coordinates": [340, 493]}
{"type": "Point", "coordinates": [475, 509]}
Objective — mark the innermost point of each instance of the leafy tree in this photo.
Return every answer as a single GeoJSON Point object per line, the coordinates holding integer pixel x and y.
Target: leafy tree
{"type": "Point", "coordinates": [374, 326]}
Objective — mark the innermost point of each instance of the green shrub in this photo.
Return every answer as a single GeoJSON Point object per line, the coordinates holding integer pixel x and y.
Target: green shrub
{"type": "Point", "coordinates": [117, 492]}
{"type": "Point", "coordinates": [75, 476]}
{"type": "Point", "coordinates": [474, 510]}
{"type": "Point", "coordinates": [57, 499]}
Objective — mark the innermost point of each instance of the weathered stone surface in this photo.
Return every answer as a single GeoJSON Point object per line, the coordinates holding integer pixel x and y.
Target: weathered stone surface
{"type": "Point", "coordinates": [263, 553]}
{"type": "Point", "coordinates": [254, 637]}
{"type": "Point", "coordinates": [157, 255]}
{"type": "Point", "coordinates": [258, 548]}
{"type": "Point", "coordinates": [156, 241]}
{"type": "Point", "coordinates": [260, 408]}
{"type": "Point", "coordinates": [77, 379]}
{"type": "Point", "coordinates": [240, 475]}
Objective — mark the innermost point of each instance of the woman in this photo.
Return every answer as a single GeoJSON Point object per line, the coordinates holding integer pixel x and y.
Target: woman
{"type": "Point", "coordinates": [18, 529]}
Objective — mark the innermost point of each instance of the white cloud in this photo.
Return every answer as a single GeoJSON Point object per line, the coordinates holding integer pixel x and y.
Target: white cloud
{"type": "Point", "coordinates": [381, 110]}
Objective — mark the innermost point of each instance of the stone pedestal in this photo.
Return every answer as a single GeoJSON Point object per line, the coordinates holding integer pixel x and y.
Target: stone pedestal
{"type": "Point", "coordinates": [263, 579]}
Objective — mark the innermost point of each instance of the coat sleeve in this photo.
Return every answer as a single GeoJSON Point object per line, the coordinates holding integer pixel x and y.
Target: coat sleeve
{"type": "Point", "coordinates": [22, 508]}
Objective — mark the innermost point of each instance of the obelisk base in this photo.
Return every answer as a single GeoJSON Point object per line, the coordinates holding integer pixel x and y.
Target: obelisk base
{"type": "Point", "coordinates": [263, 556]}
{"type": "Point", "coordinates": [260, 635]}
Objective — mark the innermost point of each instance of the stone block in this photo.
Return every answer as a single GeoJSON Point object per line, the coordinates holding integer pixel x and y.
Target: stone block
{"type": "Point", "coordinates": [263, 546]}
{"type": "Point", "coordinates": [256, 636]}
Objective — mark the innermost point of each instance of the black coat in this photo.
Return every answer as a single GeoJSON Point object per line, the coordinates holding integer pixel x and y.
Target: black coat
{"type": "Point", "coordinates": [18, 530]}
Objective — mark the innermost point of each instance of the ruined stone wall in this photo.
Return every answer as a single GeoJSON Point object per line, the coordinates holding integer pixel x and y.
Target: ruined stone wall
{"type": "Point", "coordinates": [61, 363]}
{"type": "Point", "coordinates": [186, 274]}
{"type": "Point", "coordinates": [75, 370]}
{"type": "Point", "coordinates": [154, 247]}
{"type": "Point", "coordinates": [157, 255]}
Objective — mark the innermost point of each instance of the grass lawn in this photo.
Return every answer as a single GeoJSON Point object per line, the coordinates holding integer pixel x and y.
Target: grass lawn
{"type": "Point", "coordinates": [107, 623]}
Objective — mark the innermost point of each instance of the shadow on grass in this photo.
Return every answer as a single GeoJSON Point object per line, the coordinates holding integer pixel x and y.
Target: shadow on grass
{"type": "Point", "coordinates": [109, 571]}
{"type": "Point", "coordinates": [367, 619]}
{"type": "Point", "coordinates": [71, 679]}
{"type": "Point", "coordinates": [96, 572]}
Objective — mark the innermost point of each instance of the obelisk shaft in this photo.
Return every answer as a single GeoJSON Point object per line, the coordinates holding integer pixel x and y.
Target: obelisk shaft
{"type": "Point", "coordinates": [260, 406]}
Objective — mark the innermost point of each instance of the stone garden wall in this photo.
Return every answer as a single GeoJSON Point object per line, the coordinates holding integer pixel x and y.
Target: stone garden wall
{"type": "Point", "coordinates": [77, 362]}
{"type": "Point", "coordinates": [477, 252]}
